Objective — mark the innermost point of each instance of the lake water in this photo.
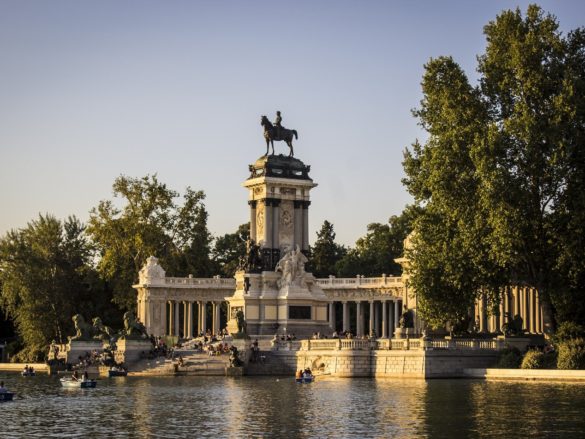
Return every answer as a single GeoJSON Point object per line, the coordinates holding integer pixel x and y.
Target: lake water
{"type": "Point", "coordinates": [193, 407]}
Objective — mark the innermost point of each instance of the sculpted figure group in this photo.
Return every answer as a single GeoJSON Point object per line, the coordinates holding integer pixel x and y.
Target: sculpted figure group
{"type": "Point", "coordinates": [133, 329]}
{"type": "Point", "coordinates": [292, 267]}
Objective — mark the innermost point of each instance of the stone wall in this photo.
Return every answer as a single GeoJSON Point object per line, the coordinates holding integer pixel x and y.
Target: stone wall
{"type": "Point", "coordinates": [375, 363]}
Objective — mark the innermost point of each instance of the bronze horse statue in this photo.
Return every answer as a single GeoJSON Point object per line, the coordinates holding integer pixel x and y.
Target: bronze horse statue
{"type": "Point", "coordinates": [272, 133]}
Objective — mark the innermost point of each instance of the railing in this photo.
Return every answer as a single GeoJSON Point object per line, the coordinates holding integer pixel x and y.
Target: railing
{"type": "Point", "coordinates": [216, 282]}
{"type": "Point", "coordinates": [401, 344]}
{"type": "Point", "coordinates": [357, 282]}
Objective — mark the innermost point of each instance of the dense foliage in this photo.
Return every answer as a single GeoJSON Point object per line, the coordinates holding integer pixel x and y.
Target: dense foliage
{"type": "Point", "coordinates": [501, 175]}
{"type": "Point", "coordinates": [46, 278]}
{"type": "Point", "coordinates": [149, 223]}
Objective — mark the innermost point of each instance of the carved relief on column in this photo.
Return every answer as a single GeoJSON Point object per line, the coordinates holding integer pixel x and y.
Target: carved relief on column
{"type": "Point", "coordinates": [286, 226]}
{"type": "Point", "coordinates": [260, 224]}
{"type": "Point", "coordinates": [298, 223]}
{"type": "Point", "coordinates": [253, 234]}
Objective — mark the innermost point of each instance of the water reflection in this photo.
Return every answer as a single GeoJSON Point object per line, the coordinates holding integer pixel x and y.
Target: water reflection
{"type": "Point", "coordinates": [270, 407]}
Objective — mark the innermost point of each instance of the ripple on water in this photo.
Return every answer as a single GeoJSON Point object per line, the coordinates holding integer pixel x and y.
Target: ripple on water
{"type": "Point", "coordinates": [266, 407]}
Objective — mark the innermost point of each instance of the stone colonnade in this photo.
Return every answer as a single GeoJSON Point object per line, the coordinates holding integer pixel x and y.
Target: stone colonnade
{"type": "Point", "coordinates": [383, 317]}
{"type": "Point", "coordinates": [516, 300]}
{"type": "Point", "coordinates": [189, 319]}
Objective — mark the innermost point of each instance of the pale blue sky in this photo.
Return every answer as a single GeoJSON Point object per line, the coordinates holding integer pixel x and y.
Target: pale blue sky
{"type": "Point", "coordinates": [92, 90]}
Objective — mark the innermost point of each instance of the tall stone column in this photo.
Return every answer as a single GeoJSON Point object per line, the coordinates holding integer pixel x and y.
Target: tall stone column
{"type": "Point", "coordinates": [204, 316]}
{"type": "Point", "coordinates": [372, 325]}
{"type": "Point", "coordinates": [522, 291]}
{"type": "Point", "coordinates": [358, 319]}
{"type": "Point", "coordinates": [396, 313]}
{"type": "Point", "coordinates": [376, 319]}
{"type": "Point", "coordinates": [391, 323]}
{"type": "Point", "coordinates": [176, 319]}
{"type": "Point", "coordinates": [171, 318]}
{"type": "Point", "coordinates": [517, 302]}
{"type": "Point", "coordinates": [298, 223]}
{"type": "Point", "coordinates": [268, 223]}
{"type": "Point", "coordinates": [332, 316]}
{"type": "Point", "coordinates": [345, 316]}
{"type": "Point", "coordinates": [252, 204]}
{"type": "Point", "coordinates": [163, 318]}
{"type": "Point", "coordinates": [189, 320]}
{"type": "Point", "coordinates": [483, 321]}
{"type": "Point", "coordinates": [384, 333]}
{"type": "Point", "coordinates": [216, 317]}
{"type": "Point", "coordinates": [533, 314]}
{"type": "Point", "coordinates": [305, 246]}
{"type": "Point", "coordinates": [528, 310]}
{"type": "Point", "coordinates": [537, 310]}
{"type": "Point", "coordinates": [275, 223]}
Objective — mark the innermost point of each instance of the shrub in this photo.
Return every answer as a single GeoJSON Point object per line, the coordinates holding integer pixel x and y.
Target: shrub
{"type": "Point", "coordinates": [509, 358]}
{"type": "Point", "coordinates": [571, 354]}
{"type": "Point", "coordinates": [568, 331]}
{"type": "Point", "coordinates": [535, 359]}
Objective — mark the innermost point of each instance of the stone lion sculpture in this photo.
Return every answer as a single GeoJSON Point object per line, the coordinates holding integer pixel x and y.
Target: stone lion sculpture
{"type": "Point", "coordinates": [133, 329]}
{"type": "Point", "coordinates": [101, 331]}
{"type": "Point", "coordinates": [83, 331]}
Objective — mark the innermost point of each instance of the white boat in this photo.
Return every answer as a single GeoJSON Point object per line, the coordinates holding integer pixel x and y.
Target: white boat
{"type": "Point", "coordinates": [78, 384]}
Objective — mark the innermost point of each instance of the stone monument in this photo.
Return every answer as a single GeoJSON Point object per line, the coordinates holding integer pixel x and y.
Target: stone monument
{"type": "Point", "coordinates": [273, 290]}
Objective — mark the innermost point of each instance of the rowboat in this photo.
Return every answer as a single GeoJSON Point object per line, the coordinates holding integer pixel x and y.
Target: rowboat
{"type": "Point", "coordinates": [6, 396]}
{"type": "Point", "coordinates": [117, 373]}
{"type": "Point", "coordinates": [28, 374]}
{"type": "Point", "coordinates": [305, 379]}
{"type": "Point", "coordinates": [79, 384]}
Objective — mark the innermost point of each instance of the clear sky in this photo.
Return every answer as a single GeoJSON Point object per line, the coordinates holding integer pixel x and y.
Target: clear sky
{"type": "Point", "coordinates": [92, 90]}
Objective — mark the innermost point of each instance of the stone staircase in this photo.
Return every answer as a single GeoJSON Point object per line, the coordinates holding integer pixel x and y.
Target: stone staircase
{"type": "Point", "coordinates": [194, 363]}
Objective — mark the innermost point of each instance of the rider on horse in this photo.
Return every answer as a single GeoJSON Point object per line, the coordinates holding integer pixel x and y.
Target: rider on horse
{"type": "Point", "coordinates": [278, 124]}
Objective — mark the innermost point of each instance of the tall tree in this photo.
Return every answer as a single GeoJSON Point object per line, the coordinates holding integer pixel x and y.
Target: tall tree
{"type": "Point", "coordinates": [375, 252]}
{"type": "Point", "coordinates": [230, 249]}
{"type": "Point", "coordinates": [149, 223]}
{"type": "Point", "coordinates": [46, 278]}
{"type": "Point", "coordinates": [500, 159]}
{"type": "Point", "coordinates": [326, 252]}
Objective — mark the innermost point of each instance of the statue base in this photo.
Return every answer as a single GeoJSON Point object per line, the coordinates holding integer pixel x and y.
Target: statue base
{"type": "Point", "coordinates": [80, 348]}
{"type": "Point", "coordinates": [130, 351]}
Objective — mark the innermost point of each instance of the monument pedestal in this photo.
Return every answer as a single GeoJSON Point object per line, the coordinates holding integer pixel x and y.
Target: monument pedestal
{"type": "Point", "coordinates": [80, 348]}
{"type": "Point", "coordinates": [130, 351]}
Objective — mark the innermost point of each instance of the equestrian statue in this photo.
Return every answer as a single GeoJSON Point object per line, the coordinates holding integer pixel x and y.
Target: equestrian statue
{"type": "Point", "coordinates": [277, 132]}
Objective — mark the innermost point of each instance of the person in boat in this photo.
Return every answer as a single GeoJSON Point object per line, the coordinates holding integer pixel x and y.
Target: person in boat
{"type": "Point", "coordinates": [25, 370]}
{"type": "Point", "coordinates": [2, 388]}
{"type": "Point", "coordinates": [75, 376]}
{"type": "Point", "coordinates": [85, 376]}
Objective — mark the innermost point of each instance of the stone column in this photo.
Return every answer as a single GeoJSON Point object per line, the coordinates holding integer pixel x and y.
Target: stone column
{"type": "Point", "coordinates": [204, 316]}
{"type": "Point", "coordinates": [517, 301]}
{"type": "Point", "coordinates": [376, 319]}
{"type": "Point", "coordinates": [163, 317]}
{"type": "Point", "coordinates": [275, 223]}
{"type": "Point", "coordinates": [523, 307]}
{"type": "Point", "coordinates": [171, 319]}
{"type": "Point", "coordinates": [502, 309]}
{"type": "Point", "coordinates": [252, 204]}
{"type": "Point", "coordinates": [358, 317]}
{"type": "Point", "coordinates": [216, 317]}
{"type": "Point", "coordinates": [305, 246]}
{"type": "Point", "coordinates": [483, 321]}
{"type": "Point", "coordinates": [268, 223]}
{"type": "Point", "coordinates": [345, 316]}
{"type": "Point", "coordinates": [332, 315]}
{"type": "Point", "coordinates": [528, 310]}
{"type": "Point", "coordinates": [537, 310]}
{"type": "Point", "coordinates": [176, 319]}
{"type": "Point", "coordinates": [372, 326]}
{"type": "Point", "coordinates": [532, 310]}
{"type": "Point", "coordinates": [298, 224]}
{"type": "Point", "coordinates": [391, 324]}
{"type": "Point", "coordinates": [384, 333]}
{"type": "Point", "coordinates": [190, 320]}
{"type": "Point", "coordinates": [396, 313]}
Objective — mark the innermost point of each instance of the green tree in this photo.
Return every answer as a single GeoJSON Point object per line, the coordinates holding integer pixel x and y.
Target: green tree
{"type": "Point", "coordinates": [46, 278]}
{"type": "Point", "coordinates": [149, 223]}
{"type": "Point", "coordinates": [326, 252]}
{"type": "Point", "coordinates": [499, 174]}
{"type": "Point", "coordinates": [230, 249]}
{"type": "Point", "coordinates": [374, 253]}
